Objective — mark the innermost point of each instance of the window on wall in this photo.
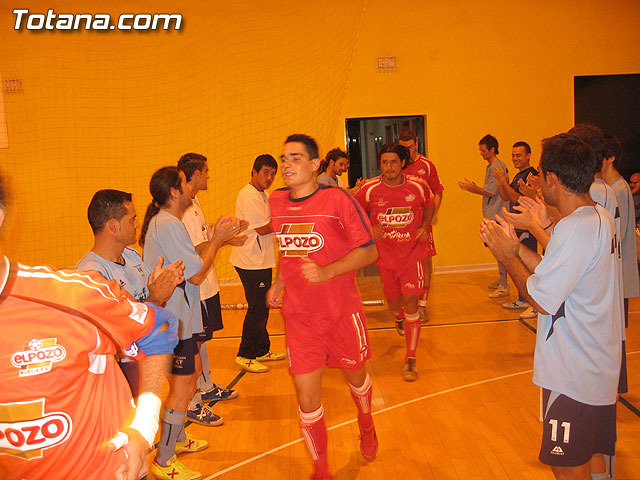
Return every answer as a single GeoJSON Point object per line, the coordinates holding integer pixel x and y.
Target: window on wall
{"type": "Point", "coordinates": [365, 136]}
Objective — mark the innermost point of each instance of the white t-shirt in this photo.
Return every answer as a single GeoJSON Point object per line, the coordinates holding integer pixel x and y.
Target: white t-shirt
{"type": "Point", "coordinates": [196, 224]}
{"type": "Point", "coordinates": [258, 252]}
{"type": "Point", "coordinates": [578, 346]}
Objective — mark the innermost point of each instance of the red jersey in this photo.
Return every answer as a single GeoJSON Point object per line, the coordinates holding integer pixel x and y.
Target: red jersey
{"type": "Point", "coordinates": [398, 210]}
{"type": "Point", "coordinates": [63, 396]}
{"type": "Point", "coordinates": [324, 227]}
{"type": "Point", "coordinates": [426, 170]}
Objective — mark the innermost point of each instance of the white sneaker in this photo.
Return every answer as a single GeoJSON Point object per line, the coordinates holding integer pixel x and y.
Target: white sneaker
{"type": "Point", "coordinates": [499, 292]}
{"type": "Point", "coordinates": [529, 313]}
{"type": "Point", "coordinates": [493, 285]}
{"type": "Point", "coordinates": [515, 305]}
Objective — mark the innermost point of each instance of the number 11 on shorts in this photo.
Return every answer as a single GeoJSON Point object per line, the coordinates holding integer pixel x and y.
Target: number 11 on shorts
{"type": "Point", "coordinates": [566, 426]}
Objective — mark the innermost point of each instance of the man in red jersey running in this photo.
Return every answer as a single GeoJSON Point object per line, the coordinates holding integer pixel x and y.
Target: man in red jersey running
{"type": "Point", "coordinates": [324, 238]}
{"type": "Point", "coordinates": [400, 209]}
{"type": "Point", "coordinates": [422, 167]}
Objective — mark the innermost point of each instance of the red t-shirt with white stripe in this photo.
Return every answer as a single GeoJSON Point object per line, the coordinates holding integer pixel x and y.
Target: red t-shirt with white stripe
{"type": "Point", "coordinates": [324, 227]}
{"type": "Point", "coordinates": [426, 170]}
{"type": "Point", "coordinates": [398, 210]}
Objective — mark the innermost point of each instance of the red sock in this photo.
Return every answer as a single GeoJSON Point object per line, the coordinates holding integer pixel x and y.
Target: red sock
{"type": "Point", "coordinates": [362, 398]}
{"type": "Point", "coordinates": [411, 333]}
{"type": "Point", "coordinates": [314, 432]}
{"type": "Point", "coordinates": [399, 314]}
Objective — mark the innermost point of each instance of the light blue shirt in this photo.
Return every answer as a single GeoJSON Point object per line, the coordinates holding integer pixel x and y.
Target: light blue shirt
{"type": "Point", "coordinates": [167, 237]}
{"type": "Point", "coordinates": [578, 345]}
{"type": "Point", "coordinates": [132, 276]}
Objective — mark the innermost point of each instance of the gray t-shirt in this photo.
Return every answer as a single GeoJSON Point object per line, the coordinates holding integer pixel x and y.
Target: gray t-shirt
{"type": "Point", "coordinates": [167, 237]}
{"type": "Point", "coordinates": [324, 178]}
{"type": "Point", "coordinates": [627, 236]}
{"type": "Point", "coordinates": [578, 345]}
{"type": "Point", "coordinates": [493, 205]}
{"type": "Point", "coordinates": [132, 276]}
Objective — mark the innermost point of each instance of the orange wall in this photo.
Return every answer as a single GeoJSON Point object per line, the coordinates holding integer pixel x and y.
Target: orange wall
{"type": "Point", "coordinates": [473, 68]}
{"type": "Point", "coordinates": [105, 110]}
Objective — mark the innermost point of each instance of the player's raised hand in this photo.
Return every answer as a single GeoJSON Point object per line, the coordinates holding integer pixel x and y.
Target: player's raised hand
{"type": "Point", "coordinates": [467, 185]}
{"type": "Point", "coordinates": [225, 228]}
{"type": "Point", "coordinates": [313, 272]}
{"type": "Point", "coordinates": [499, 175]}
{"type": "Point", "coordinates": [163, 281]}
{"type": "Point", "coordinates": [500, 238]}
{"type": "Point", "coordinates": [238, 240]}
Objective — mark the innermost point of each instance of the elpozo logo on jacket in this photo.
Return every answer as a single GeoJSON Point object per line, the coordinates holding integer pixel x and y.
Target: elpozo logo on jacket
{"type": "Point", "coordinates": [299, 239]}
{"type": "Point", "coordinates": [38, 356]}
{"type": "Point", "coordinates": [396, 217]}
{"type": "Point", "coordinates": [26, 429]}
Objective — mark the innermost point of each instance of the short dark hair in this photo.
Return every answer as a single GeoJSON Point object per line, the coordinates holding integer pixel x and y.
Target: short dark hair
{"type": "Point", "coordinates": [162, 181]}
{"type": "Point", "coordinates": [190, 163]}
{"type": "Point", "coordinates": [490, 142]}
{"type": "Point", "coordinates": [572, 160]}
{"type": "Point", "coordinates": [265, 160]}
{"type": "Point", "coordinates": [594, 136]}
{"type": "Point", "coordinates": [401, 151]}
{"type": "Point", "coordinates": [105, 205]}
{"type": "Point", "coordinates": [526, 146]}
{"type": "Point", "coordinates": [336, 153]}
{"type": "Point", "coordinates": [407, 135]}
{"type": "Point", "coordinates": [612, 148]}
{"type": "Point", "coordinates": [310, 145]}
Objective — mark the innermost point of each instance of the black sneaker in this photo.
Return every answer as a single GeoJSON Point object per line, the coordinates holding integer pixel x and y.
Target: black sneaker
{"type": "Point", "coordinates": [219, 393]}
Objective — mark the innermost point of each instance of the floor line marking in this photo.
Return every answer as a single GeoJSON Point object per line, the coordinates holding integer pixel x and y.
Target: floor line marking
{"type": "Point", "coordinates": [348, 422]}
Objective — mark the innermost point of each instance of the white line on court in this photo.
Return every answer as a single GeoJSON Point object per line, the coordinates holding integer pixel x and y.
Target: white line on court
{"type": "Point", "coordinates": [393, 407]}
{"type": "Point", "coordinates": [340, 425]}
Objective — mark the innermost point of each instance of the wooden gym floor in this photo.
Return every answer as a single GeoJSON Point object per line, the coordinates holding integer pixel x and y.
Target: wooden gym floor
{"type": "Point", "coordinates": [472, 414]}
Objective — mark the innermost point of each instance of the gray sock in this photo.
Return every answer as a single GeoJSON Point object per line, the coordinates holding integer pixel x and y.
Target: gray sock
{"type": "Point", "coordinates": [171, 422]}
{"type": "Point", "coordinates": [599, 476]}
{"type": "Point", "coordinates": [181, 435]}
{"type": "Point", "coordinates": [195, 401]}
{"type": "Point", "coordinates": [204, 382]}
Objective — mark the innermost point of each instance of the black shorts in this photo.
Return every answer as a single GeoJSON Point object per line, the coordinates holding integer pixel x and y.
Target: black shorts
{"type": "Point", "coordinates": [573, 432]}
{"type": "Point", "coordinates": [211, 318]}
{"type": "Point", "coordinates": [184, 357]}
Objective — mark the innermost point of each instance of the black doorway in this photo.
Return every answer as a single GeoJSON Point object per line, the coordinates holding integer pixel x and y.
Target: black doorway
{"type": "Point", "coordinates": [366, 135]}
{"type": "Point", "coordinates": [612, 102]}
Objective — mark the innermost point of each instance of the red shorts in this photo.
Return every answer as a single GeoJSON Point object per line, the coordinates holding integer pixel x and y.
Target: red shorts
{"type": "Point", "coordinates": [313, 342]}
{"type": "Point", "coordinates": [408, 280]}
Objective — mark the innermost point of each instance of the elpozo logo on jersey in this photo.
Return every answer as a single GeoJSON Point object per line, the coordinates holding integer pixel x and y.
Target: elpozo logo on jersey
{"type": "Point", "coordinates": [396, 217]}
{"type": "Point", "coordinates": [38, 356]}
{"type": "Point", "coordinates": [299, 239]}
{"type": "Point", "coordinates": [26, 430]}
